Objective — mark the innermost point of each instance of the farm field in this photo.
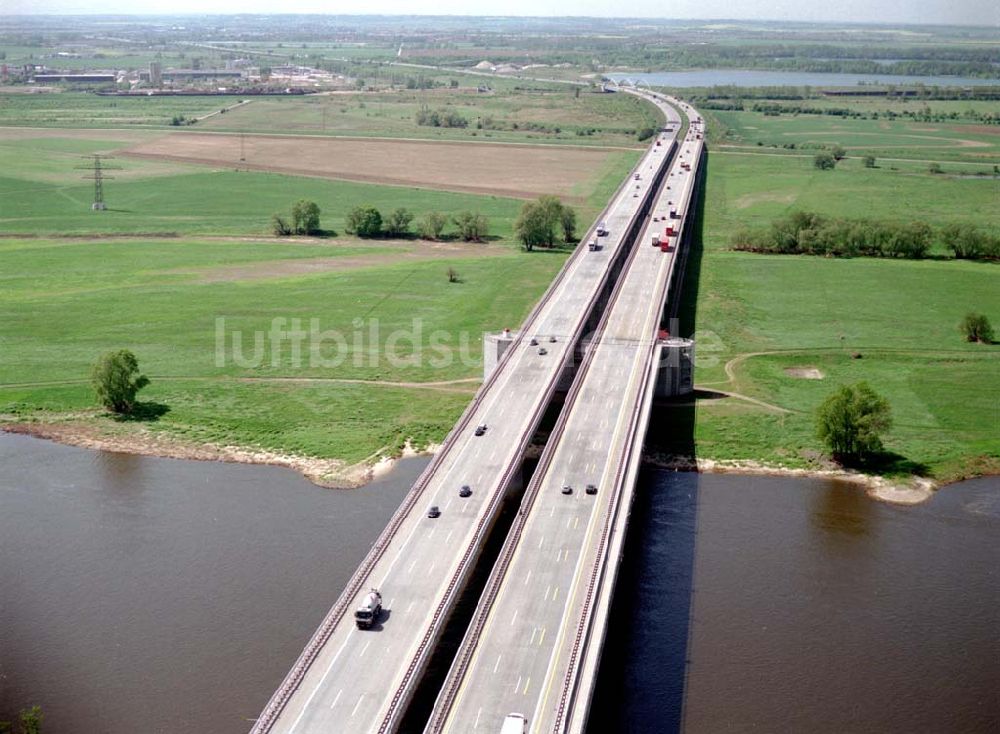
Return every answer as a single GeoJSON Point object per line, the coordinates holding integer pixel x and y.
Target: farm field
{"type": "Point", "coordinates": [500, 170]}
{"type": "Point", "coordinates": [556, 116]}
{"type": "Point", "coordinates": [787, 330]}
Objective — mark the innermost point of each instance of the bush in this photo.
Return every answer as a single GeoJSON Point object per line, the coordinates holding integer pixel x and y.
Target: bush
{"type": "Point", "coordinates": [364, 221]}
{"type": "Point", "coordinates": [869, 161]}
{"type": "Point", "coordinates": [646, 133]}
{"type": "Point", "coordinates": [935, 168]}
{"type": "Point", "coordinates": [440, 118]}
{"type": "Point", "coordinates": [116, 381]}
{"type": "Point", "coordinates": [280, 226]}
{"type": "Point", "coordinates": [824, 162]}
{"type": "Point", "coordinates": [976, 328]}
{"type": "Point", "coordinates": [432, 225]}
{"type": "Point", "coordinates": [398, 223]}
{"type": "Point", "coordinates": [472, 227]}
{"type": "Point", "coordinates": [838, 152]}
{"type": "Point", "coordinates": [851, 422]}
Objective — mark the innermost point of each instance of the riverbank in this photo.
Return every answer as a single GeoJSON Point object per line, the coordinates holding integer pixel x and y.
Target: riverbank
{"type": "Point", "coordinates": [335, 474]}
{"type": "Point", "coordinates": [329, 473]}
{"type": "Point", "coordinates": [899, 491]}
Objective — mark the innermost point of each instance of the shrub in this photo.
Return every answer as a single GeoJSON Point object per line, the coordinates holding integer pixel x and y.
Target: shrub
{"type": "Point", "coordinates": [398, 223]}
{"type": "Point", "coordinates": [869, 161]}
{"type": "Point", "coordinates": [305, 217]}
{"type": "Point", "coordinates": [976, 328]}
{"type": "Point", "coordinates": [824, 162]}
{"type": "Point", "coordinates": [472, 227]}
{"type": "Point", "coordinates": [280, 226]}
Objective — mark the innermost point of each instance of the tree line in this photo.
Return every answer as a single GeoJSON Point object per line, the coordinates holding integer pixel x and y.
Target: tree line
{"type": "Point", "coordinates": [808, 233]}
{"type": "Point", "coordinates": [368, 222]}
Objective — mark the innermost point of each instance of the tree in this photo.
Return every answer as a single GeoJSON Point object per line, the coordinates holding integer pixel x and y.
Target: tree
{"type": "Point", "coordinates": [851, 422]}
{"type": "Point", "coordinates": [364, 221]}
{"type": "Point", "coordinates": [567, 218]}
{"type": "Point", "coordinates": [305, 217]}
{"type": "Point", "coordinates": [452, 275]}
{"type": "Point", "coordinates": [838, 151]}
{"type": "Point", "coordinates": [869, 161]}
{"type": "Point", "coordinates": [432, 225]}
{"type": "Point", "coordinates": [935, 168]}
{"type": "Point", "coordinates": [398, 223]}
{"type": "Point", "coordinates": [116, 380]}
{"type": "Point", "coordinates": [824, 162]}
{"type": "Point", "coordinates": [977, 328]}
{"type": "Point", "coordinates": [472, 227]}
{"type": "Point", "coordinates": [280, 226]}
{"type": "Point", "coordinates": [31, 720]}
{"type": "Point", "coordinates": [533, 227]}
{"type": "Point", "coordinates": [646, 133]}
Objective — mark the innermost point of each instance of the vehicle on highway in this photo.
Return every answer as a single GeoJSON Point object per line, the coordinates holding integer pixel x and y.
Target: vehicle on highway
{"type": "Point", "coordinates": [480, 429]}
{"type": "Point", "coordinates": [567, 489]}
{"type": "Point", "coordinates": [591, 489]}
{"type": "Point", "coordinates": [594, 245]}
{"type": "Point", "coordinates": [552, 339]}
{"type": "Point", "coordinates": [533, 342]}
{"type": "Point", "coordinates": [369, 610]}
{"type": "Point", "coordinates": [434, 511]}
{"type": "Point", "coordinates": [514, 724]}
{"type": "Point", "coordinates": [602, 229]}
{"type": "Point", "coordinates": [465, 491]}
{"type": "Point", "coordinates": [543, 351]}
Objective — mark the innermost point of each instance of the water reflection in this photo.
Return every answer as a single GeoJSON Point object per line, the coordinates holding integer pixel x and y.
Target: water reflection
{"type": "Point", "coordinates": [842, 509]}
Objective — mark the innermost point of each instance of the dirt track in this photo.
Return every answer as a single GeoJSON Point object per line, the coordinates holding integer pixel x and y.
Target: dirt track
{"type": "Point", "coordinates": [519, 171]}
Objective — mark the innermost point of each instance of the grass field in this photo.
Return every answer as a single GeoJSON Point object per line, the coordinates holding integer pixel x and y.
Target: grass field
{"type": "Point", "coordinates": [762, 320]}
{"type": "Point", "coordinates": [944, 141]}
{"type": "Point", "coordinates": [65, 302]}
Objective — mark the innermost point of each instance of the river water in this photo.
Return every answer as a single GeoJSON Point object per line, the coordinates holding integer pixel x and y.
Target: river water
{"type": "Point", "coordinates": [142, 595]}
{"type": "Point", "coordinates": [795, 605]}
{"type": "Point", "coordinates": [752, 78]}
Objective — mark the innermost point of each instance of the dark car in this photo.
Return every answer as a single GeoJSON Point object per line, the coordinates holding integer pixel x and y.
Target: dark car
{"type": "Point", "coordinates": [552, 339]}
{"type": "Point", "coordinates": [434, 511]}
{"type": "Point", "coordinates": [591, 489]}
{"type": "Point", "coordinates": [534, 342]}
{"type": "Point", "coordinates": [543, 350]}
{"type": "Point", "coordinates": [567, 489]}
{"type": "Point", "coordinates": [480, 429]}
{"type": "Point", "coordinates": [465, 491]}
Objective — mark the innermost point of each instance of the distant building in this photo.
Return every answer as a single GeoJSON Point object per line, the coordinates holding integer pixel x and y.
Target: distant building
{"type": "Point", "coordinates": [177, 74]}
{"type": "Point", "coordinates": [155, 74]}
{"type": "Point", "coordinates": [75, 78]}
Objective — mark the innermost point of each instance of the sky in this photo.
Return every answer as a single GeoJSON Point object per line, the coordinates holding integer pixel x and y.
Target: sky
{"type": "Point", "coordinates": [953, 12]}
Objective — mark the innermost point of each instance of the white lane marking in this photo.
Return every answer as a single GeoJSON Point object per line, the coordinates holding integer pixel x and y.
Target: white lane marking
{"type": "Point", "coordinates": [390, 603]}
{"type": "Point", "coordinates": [410, 569]}
{"type": "Point", "coordinates": [534, 631]}
{"type": "Point", "coordinates": [541, 637]}
{"type": "Point", "coordinates": [478, 714]}
{"type": "Point", "coordinates": [431, 569]}
{"type": "Point", "coordinates": [548, 590]}
{"type": "Point", "coordinates": [568, 521]}
{"type": "Point", "coordinates": [337, 698]}
{"type": "Point", "coordinates": [317, 688]}
{"type": "Point", "coordinates": [527, 684]}
{"type": "Point", "coordinates": [552, 511]}
{"type": "Point", "coordinates": [410, 606]}
{"type": "Point", "coordinates": [540, 541]}
{"type": "Point", "coordinates": [431, 533]}
{"type": "Point", "coordinates": [448, 503]}
{"type": "Point", "coordinates": [448, 537]}
{"type": "Point", "coordinates": [527, 578]}
{"type": "Point", "coordinates": [555, 593]}
{"type": "Point", "coordinates": [364, 649]}
{"type": "Point", "coordinates": [513, 618]}
{"type": "Point", "coordinates": [576, 522]}
{"type": "Point", "coordinates": [518, 684]}
{"type": "Point", "coordinates": [357, 705]}
{"type": "Point", "coordinates": [496, 666]}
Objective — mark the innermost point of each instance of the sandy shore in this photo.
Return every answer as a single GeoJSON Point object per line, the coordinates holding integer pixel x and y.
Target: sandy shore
{"type": "Point", "coordinates": [339, 475]}
{"type": "Point", "coordinates": [324, 472]}
{"type": "Point", "coordinates": [909, 492]}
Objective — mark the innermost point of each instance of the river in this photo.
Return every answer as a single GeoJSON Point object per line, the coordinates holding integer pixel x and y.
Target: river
{"type": "Point", "coordinates": [775, 604]}
{"type": "Point", "coordinates": [753, 78]}
{"type": "Point", "coordinates": [142, 595]}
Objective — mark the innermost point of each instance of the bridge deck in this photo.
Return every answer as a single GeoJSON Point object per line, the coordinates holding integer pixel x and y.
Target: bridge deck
{"type": "Point", "coordinates": [357, 680]}
{"type": "Point", "coordinates": [522, 652]}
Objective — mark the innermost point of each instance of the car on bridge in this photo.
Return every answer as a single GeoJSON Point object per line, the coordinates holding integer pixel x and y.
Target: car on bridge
{"type": "Point", "coordinates": [480, 429]}
{"type": "Point", "coordinates": [465, 491]}
{"type": "Point", "coordinates": [514, 724]}
{"type": "Point", "coordinates": [369, 610]}
{"type": "Point", "coordinates": [434, 511]}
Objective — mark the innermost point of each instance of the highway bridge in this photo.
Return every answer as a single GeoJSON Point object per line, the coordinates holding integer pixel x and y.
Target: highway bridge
{"type": "Point", "coordinates": [354, 680]}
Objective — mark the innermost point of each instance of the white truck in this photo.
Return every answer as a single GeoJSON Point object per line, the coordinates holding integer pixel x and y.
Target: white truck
{"type": "Point", "coordinates": [369, 610]}
{"type": "Point", "coordinates": [514, 724]}
{"type": "Point", "coordinates": [602, 229]}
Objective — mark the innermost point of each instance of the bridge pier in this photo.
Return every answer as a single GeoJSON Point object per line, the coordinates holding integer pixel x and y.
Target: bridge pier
{"type": "Point", "coordinates": [675, 368]}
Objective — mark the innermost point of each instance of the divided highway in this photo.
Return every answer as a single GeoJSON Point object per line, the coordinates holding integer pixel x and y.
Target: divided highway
{"type": "Point", "coordinates": [534, 642]}
{"type": "Point", "coordinates": [355, 680]}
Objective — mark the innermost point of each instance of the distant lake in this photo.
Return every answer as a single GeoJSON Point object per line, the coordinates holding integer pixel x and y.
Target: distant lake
{"type": "Point", "coordinates": [750, 78]}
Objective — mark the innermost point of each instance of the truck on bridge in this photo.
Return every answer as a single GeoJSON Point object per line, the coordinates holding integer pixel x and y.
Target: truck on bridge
{"type": "Point", "coordinates": [369, 610]}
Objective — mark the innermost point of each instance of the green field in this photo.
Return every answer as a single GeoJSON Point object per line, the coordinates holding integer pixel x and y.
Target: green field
{"type": "Point", "coordinates": [761, 319]}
